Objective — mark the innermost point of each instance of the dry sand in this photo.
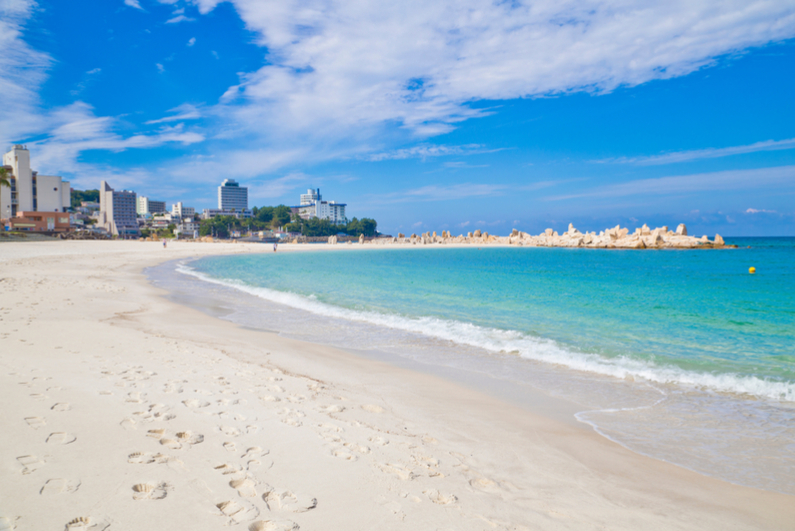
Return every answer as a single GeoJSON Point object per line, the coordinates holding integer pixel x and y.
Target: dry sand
{"type": "Point", "coordinates": [122, 410]}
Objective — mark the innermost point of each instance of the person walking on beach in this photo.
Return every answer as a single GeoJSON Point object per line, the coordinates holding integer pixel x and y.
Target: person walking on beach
{"type": "Point", "coordinates": [164, 244]}
{"type": "Point", "coordinates": [274, 246]}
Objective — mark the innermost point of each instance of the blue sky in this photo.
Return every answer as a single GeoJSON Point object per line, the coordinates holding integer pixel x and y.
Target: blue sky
{"type": "Point", "coordinates": [423, 115]}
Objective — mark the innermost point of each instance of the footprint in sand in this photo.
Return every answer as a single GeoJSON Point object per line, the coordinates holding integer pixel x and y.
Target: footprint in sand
{"type": "Point", "coordinates": [61, 437]}
{"type": "Point", "coordinates": [61, 406]}
{"type": "Point", "coordinates": [343, 454]}
{"type": "Point", "coordinates": [229, 446]}
{"type": "Point", "coordinates": [171, 444]}
{"type": "Point", "coordinates": [59, 486]}
{"type": "Point", "coordinates": [141, 458]}
{"type": "Point", "coordinates": [150, 491]}
{"type": "Point", "coordinates": [332, 409]}
{"type": "Point", "coordinates": [156, 434]}
{"type": "Point", "coordinates": [237, 512]}
{"type": "Point", "coordinates": [371, 408]}
{"type": "Point", "coordinates": [402, 472]}
{"type": "Point", "coordinates": [228, 431]}
{"type": "Point", "coordinates": [379, 440]}
{"type": "Point", "coordinates": [357, 448]}
{"type": "Point", "coordinates": [246, 488]}
{"type": "Point", "coordinates": [270, 398]}
{"type": "Point", "coordinates": [485, 485]}
{"type": "Point", "coordinates": [228, 468]}
{"type": "Point", "coordinates": [7, 524]}
{"type": "Point", "coordinates": [81, 523]}
{"type": "Point", "coordinates": [273, 525]}
{"type": "Point", "coordinates": [188, 437]}
{"type": "Point", "coordinates": [440, 499]}
{"type": "Point", "coordinates": [255, 451]}
{"type": "Point", "coordinates": [195, 404]}
{"type": "Point", "coordinates": [285, 500]}
{"type": "Point", "coordinates": [30, 463]}
{"type": "Point", "coordinates": [35, 422]}
{"type": "Point", "coordinates": [38, 396]}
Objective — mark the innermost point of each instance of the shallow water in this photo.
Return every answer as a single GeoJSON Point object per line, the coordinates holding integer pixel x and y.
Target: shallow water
{"type": "Point", "coordinates": [681, 355]}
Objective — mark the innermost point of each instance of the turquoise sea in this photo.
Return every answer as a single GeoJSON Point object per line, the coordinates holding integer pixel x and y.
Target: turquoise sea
{"type": "Point", "coordinates": [681, 355]}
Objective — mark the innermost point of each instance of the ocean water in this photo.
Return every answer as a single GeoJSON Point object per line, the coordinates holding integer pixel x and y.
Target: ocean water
{"type": "Point", "coordinates": [680, 355]}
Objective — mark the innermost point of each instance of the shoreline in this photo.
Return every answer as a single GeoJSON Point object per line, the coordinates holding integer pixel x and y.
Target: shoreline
{"type": "Point", "coordinates": [466, 457]}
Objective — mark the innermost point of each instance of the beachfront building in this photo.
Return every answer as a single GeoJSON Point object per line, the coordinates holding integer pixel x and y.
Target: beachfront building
{"type": "Point", "coordinates": [313, 206]}
{"type": "Point", "coordinates": [232, 196]}
{"type": "Point", "coordinates": [181, 211]}
{"type": "Point", "coordinates": [118, 211]}
{"type": "Point", "coordinates": [209, 213]}
{"type": "Point", "coordinates": [148, 206]}
{"type": "Point", "coordinates": [29, 191]}
{"type": "Point", "coordinates": [39, 222]}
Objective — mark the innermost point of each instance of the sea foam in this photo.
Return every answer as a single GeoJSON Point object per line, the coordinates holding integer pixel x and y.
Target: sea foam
{"type": "Point", "coordinates": [528, 347]}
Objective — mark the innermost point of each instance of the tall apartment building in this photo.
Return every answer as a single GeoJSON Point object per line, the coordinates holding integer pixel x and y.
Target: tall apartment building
{"type": "Point", "coordinates": [117, 211]}
{"type": "Point", "coordinates": [149, 206]}
{"type": "Point", "coordinates": [29, 191]}
{"type": "Point", "coordinates": [232, 196]}
{"type": "Point", "coordinates": [181, 211]}
{"type": "Point", "coordinates": [313, 206]}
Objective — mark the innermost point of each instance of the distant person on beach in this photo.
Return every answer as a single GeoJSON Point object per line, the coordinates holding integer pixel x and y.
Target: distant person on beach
{"type": "Point", "coordinates": [274, 246]}
{"type": "Point", "coordinates": [164, 244]}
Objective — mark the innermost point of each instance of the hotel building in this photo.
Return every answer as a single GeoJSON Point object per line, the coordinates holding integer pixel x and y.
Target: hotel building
{"type": "Point", "coordinates": [117, 211]}
{"type": "Point", "coordinates": [148, 206]}
{"type": "Point", "coordinates": [30, 192]}
{"type": "Point", "coordinates": [182, 212]}
{"type": "Point", "coordinates": [232, 196]}
{"type": "Point", "coordinates": [313, 206]}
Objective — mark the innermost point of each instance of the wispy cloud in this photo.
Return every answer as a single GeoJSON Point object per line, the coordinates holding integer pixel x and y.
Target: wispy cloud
{"type": "Point", "coordinates": [133, 3]}
{"type": "Point", "coordinates": [781, 176]}
{"type": "Point", "coordinates": [192, 41]}
{"type": "Point", "coordinates": [279, 187]}
{"type": "Point", "coordinates": [160, 67]}
{"type": "Point", "coordinates": [708, 153]}
{"type": "Point", "coordinates": [759, 211]}
{"type": "Point", "coordinates": [186, 111]}
{"type": "Point", "coordinates": [458, 164]}
{"type": "Point", "coordinates": [424, 151]}
{"type": "Point", "coordinates": [179, 18]}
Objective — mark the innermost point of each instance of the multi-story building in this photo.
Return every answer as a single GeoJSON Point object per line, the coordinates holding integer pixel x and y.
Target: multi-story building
{"type": "Point", "coordinates": [181, 211]}
{"type": "Point", "coordinates": [310, 197]}
{"type": "Point", "coordinates": [29, 191]}
{"type": "Point", "coordinates": [239, 214]}
{"type": "Point", "coordinates": [232, 196]}
{"type": "Point", "coordinates": [117, 211]}
{"type": "Point", "coordinates": [313, 206]}
{"type": "Point", "coordinates": [149, 206]}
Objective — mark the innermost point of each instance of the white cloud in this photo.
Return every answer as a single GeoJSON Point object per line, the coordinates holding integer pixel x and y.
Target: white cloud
{"type": "Point", "coordinates": [192, 41]}
{"type": "Point", "coordinates": [75, 129]}
{"type": "Point", "coordinates": [179, 18]}
{"type": "Point", "coordinates": [186, 111]}
{"type": "Point", "coordinates": [424, 151]}
{"type": "Point", "coordinates": [133, 3]}
{"type": "Point", "coordinates": [278, 187]}
{"type": "Point", "coordinates": [781, 176]}
{"type": "Point", "coordinates": [346, 69]}
{"type": "Point", "coordinates": [94, 71]}
{"type": "Point", "coordinates": [23, 71]}
{"type": "Point", "coordinates": [160, 68]}
{"type": "Point", "coordinates": [709, 153]}
{"type": "Point", "coordinates": [758, 211]}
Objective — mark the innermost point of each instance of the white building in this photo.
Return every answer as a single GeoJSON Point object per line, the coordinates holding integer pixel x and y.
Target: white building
{"type": "Point", "coordinates": [313, 206]}
{"type": "Point", "coordinates": [239, 214]}
{"type": "Point", "coordinates": [29, 191]}
{"type": "Point", "coordinates": [232, 196]}
{"type": "Point", "coordinates": [117, 211]}
{"type": "Point", "coordinates": [182, 212]}
{"type": "Point", "coordinates": [310, 197]}
{"type": "Point", "coordinates": [149, 206]}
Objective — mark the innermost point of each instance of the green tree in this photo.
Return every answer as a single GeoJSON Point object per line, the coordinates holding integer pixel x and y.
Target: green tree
{"type": "Point", "coordinates": [78, 196]}
{"type": "Point", "coordinates": [4, 180]}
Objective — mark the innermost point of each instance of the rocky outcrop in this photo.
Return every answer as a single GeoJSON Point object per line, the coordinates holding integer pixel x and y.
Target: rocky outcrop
{"type": "Point", "coordinates": [616, 237]}
{"type": "Point", "coordinates": [332, 240]}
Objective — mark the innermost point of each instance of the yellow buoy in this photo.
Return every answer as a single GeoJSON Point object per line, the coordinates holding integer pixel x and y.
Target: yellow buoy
{"type": "Point", "coordinates": [752, 270]}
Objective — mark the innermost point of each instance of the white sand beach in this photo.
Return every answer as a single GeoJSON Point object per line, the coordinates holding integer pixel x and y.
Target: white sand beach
{"type": "Point", "coordinates": [122, 410]}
